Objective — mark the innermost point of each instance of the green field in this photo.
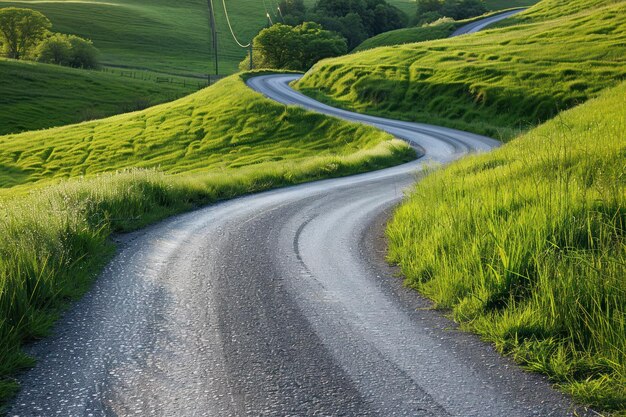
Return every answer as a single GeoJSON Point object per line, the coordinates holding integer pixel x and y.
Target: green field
{"type": "Point", "coordinates": [133, 169]}
{"type": "Point", "coordinates": [507, 4]}
{"type": "Point", "coordinates": [527, 246]}
{"type": "Point", "coordinates": [436, 30]}
{"type": "Point", "coordinates": [156, 35]}
{"type": "Point", "coordinates": [408, 35]}
{"type": "Point", "coordinates": [36, 96]}
{"type": "Point", "coordinates": [497, 82]}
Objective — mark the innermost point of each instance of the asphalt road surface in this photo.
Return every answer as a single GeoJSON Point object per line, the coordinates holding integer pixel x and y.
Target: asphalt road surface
{"type": "Point", "coordinates": [278, 303]}
{"type": "Point", "coordinates": [483, 23]}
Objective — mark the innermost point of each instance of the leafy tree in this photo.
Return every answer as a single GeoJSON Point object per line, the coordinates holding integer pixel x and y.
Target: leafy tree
{"type": "Point", "coordinates": [295, 48]}
{"type": "Point", "coordinates": [431, 10]}
{"type": "Point", "coordinates": [357, 20]}
{"type": "Point", "coordinates": [429, 6]}
{"type": "Point", "coordinates": [21, 30]}
{"type": "Point", "coordinates": [68, 50]}
{"type": "Point", "coordinates": [463, 9]}
{"type": "Point", "coordinates": [292, 11]}
{"type": "Point", "coordinates": [82, 53]}
{"type": "Point", "coordinates": [54, 50]}
{"type": "Point", "coordinates": [318, 44]}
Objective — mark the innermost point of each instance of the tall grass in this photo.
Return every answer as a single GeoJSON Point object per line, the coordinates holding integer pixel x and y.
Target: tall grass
{"type": "Point", "coordinates": [527, 247]}
{"type": "Point", "coordinates": [53, 240]}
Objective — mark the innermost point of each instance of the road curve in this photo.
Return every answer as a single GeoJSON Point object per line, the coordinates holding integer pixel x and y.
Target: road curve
{"type": "Point", "coordinates": [483, 23]}
{"type": "Point", "coordinates": [278, 303]}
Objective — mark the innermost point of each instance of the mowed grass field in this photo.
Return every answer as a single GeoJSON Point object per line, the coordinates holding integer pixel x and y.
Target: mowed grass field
{"type": "Point", "coordinates": [156, 35]}
{"type": "Point", "coordinates": [63, 191]}
{"type": "Point", "coordinates": [498, 82]}
{"type": "Point", "coordinates": [36, 96]}
{"type": "Point", "coordinates": [527, 246]}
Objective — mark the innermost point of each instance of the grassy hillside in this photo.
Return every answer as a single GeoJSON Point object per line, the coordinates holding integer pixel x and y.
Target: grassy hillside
{"type": "Point", "coordinates": [36, 96]}
{"type": "Point", "coordinates": [436, 30]}
{"type": "Point", "coordinates": [226, 126]}
{"type": "Point", "coordinates": [128, 170]}
{"type": "Point", "coordinates": [527, 246]}
{"type": "Point", "coordinates": [433, 31]}
{"type": "Point", "coordinates": [507, 4]}
{"type": "Point", "coordinates": [430, 32]}
{"type": "Point", "coordinates": [496, 82]}
{"type": "Point", "coordinates": [159, 35]}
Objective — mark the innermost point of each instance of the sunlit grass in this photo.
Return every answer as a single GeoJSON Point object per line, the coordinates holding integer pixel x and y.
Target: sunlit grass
{"type": "Point", "coordinates": [498, 82]}
{"type": "Point", "coordinates": [159, 35]}
{"type": "Point", "coordinates": [36, 96]}
{"type": "Point", "coordinates": [527, 246]}
{"type": "Point", "coordinates": [67, 189]}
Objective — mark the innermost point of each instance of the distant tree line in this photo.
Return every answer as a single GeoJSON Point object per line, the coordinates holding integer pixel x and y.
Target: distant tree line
{"type": "Point", "coordinates": [333, 27]}
{"type": "Point", "coordinates": [25, 34]}
{"type": "Point", "coordinates": [294, 47]}
{"type": "Point", "coordinates": [430, 10]}
{"type": "Point", "coordinates": [355, 20]}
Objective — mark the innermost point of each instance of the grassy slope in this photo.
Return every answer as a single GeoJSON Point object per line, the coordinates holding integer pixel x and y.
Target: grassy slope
{"type": "Point", "coordinates": [432, 32]}
{"type": "Point", "coordinates": [223, 127]}
{"type": "Point", "coordinates": [35, 96]}
{"type": "Point", "coordinates": [507, 4]}
{"type": "Point", "coordinates": [527, 246]}
{"type": "Point", "coordinates": [159, 35]}
{"type": "Point", "coordinates": [496, 82]}
{"type": "Point", "coordinates": [408, 35]}
{"type": "Point", "coordinates": [218, 143]}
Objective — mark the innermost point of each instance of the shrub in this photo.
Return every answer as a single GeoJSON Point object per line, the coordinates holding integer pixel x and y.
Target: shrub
{"type": "Point", "coordinates": [68, 50]}
{"type": "Point", "coordinates": [54, 50]}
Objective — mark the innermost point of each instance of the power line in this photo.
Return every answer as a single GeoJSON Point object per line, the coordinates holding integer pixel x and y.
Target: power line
{"type": "Point", "coordinates": [231, 28]}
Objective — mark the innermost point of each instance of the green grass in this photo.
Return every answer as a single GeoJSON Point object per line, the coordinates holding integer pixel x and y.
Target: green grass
{"type": "Point", "coordinates": [507, 4]}
{"type": "Point", "coordinates": [224, 127]}
{"type": "Point", "coordinates": [434, 31]}
{"type": "Point", "coordinates": [36, 96]}
{"type": "Point", "coordinates": [156, 35]}
{"type": "Point", "coordinates": [527, 246]}
{"type": "Point", "coordinates": [437, 30]}
{"type": "Point", "coordinates": [431, 32]}
{"type": "Point", "coordinates": [65, 190]}
{"type": "Point", "coordinates": [497, 82]}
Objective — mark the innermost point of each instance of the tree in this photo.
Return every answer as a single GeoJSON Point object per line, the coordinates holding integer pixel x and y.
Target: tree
{"type": "Point", "coordinates": [431, 10]}
{"type": "Point", "coordinates": [68, 50]}
{"type": "Point", "coordinates": [318, 44]}
{"type": "Point", "coordinates": [54, 50]}
{"type": "Point", "coordinates": [82, 53]}
{"type": "Point", "coordinates": [295, 48]}
{"type": "Point", "coordinates": [429, 6]}
{"type": "Point", "coordinates": [293, 12]}
{"type": "Point", "coordinates": [463, 9]}
{"type": "Point", "coordinates": [357, 20]}
{"type": "Point", "coordinates": [21, 30]}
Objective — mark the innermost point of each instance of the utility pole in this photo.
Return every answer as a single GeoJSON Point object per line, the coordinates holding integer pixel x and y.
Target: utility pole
{"type": "Point", "coordinates": [250, 53]}
{"type": "Point", "coordinates": [213, 33]}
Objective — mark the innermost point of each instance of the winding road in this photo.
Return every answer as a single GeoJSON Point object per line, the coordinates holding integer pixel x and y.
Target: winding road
{"type": "Point", "coordinates": [278, 303]}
